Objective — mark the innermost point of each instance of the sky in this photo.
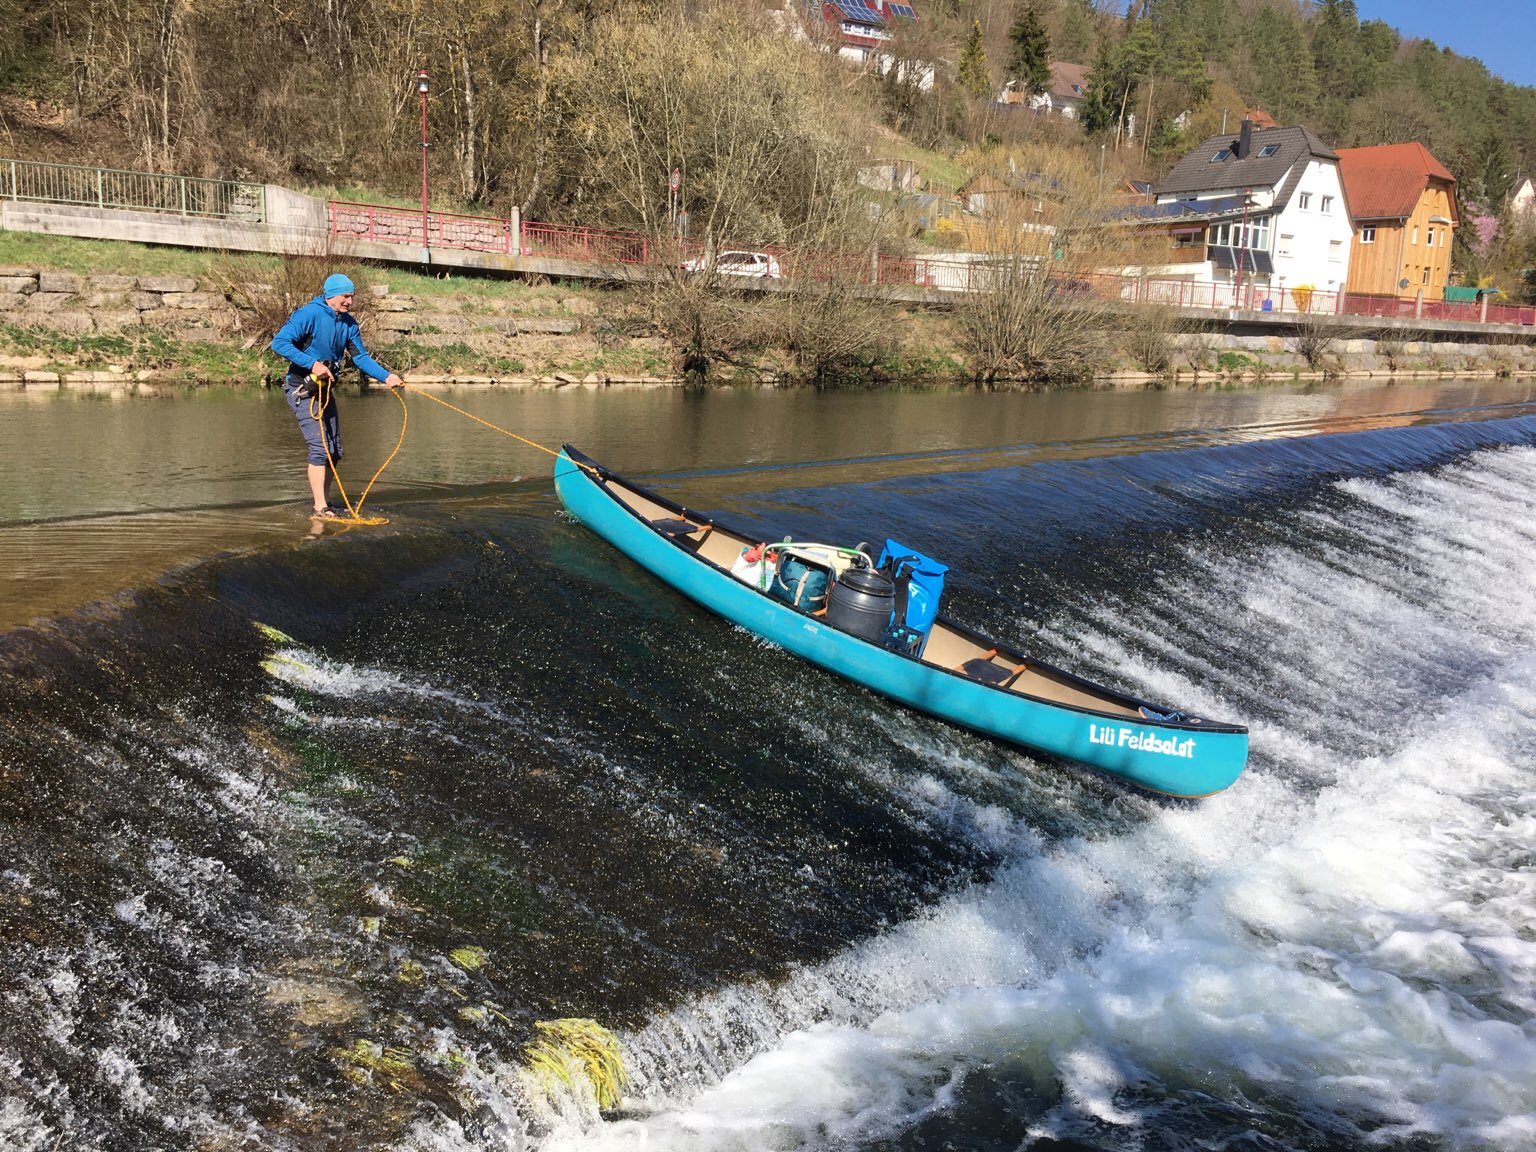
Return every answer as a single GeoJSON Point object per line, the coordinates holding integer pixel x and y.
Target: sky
{"type": "Point", "coordinates": [1500, 33]}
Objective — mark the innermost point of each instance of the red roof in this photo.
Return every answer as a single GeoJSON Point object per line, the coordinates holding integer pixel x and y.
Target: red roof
{"type": "Point", "coordinates": [1386, 181]}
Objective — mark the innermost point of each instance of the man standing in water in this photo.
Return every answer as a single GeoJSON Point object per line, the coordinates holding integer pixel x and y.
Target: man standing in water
{"type": "Point", "coordinates": [315, 342]}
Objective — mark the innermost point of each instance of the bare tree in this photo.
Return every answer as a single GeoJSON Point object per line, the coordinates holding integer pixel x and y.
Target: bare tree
{"type": "Point", "coordinates": [1317, 334]}
{"type": "Point", "coordinates": [765, 140]}
{"type": "Point", "coordinates": [1036, 313]}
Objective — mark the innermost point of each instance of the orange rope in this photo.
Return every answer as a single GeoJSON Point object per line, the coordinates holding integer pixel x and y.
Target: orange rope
{"type": "Point", "coordinates": [495, 428]}
{"type": "Point", "coordinates": [321, 399]}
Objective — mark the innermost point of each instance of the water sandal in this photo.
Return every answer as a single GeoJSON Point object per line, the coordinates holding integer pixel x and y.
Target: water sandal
{"type": "Point", "coordinates": [324, 514]}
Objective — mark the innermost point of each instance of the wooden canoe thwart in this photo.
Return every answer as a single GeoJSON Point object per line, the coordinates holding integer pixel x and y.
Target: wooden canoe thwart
{"type": "Point", "coordinates": [874, 619]}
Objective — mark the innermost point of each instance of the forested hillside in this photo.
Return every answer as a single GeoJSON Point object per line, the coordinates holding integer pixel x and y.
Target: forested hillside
{"type": "Point", "coordinates": [577, 109]}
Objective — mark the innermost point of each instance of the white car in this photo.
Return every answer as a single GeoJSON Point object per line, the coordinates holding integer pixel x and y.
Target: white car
{"type": "Point", "coordinates": [734, 263]}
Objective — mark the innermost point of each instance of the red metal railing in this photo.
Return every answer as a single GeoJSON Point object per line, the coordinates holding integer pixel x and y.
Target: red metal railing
{"type": "Point", "coordinates": [951, 273]}
{"type": "Point", "coordinates": [565, 242]}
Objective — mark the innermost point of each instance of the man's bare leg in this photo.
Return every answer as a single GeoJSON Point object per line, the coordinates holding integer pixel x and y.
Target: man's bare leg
{"type": "Point", "coordinates": [319, 475]}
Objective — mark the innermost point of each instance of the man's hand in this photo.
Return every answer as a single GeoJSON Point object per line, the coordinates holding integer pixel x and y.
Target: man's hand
{"type": "Point", "coordinates": [321, 370]}
{"type": "Point", "coordinates": [394, 381]}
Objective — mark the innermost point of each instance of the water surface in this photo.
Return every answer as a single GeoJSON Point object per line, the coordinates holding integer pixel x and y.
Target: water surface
{"type": "Point", "coordinates": [317, 892]}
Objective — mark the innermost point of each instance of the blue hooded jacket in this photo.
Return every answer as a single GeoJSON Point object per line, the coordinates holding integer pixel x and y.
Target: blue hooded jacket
{"type": "Point", "coordinates": [316, 331]}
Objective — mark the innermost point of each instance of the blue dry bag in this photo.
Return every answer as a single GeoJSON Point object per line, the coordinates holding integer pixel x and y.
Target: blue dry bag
{"type": "Point", "coordinates": [923, 578]}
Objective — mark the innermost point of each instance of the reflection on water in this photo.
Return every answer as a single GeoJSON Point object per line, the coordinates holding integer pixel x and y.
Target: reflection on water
{"type": "Point", "coordinates": [99, 492]}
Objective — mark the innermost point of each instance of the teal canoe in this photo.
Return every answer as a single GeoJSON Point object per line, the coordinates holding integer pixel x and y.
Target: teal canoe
{"type": "Point", "coordinates": [949, 671]}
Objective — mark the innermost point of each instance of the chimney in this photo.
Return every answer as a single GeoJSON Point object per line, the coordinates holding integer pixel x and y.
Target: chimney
{"type": "Point", "coordinates": [1245, 139]}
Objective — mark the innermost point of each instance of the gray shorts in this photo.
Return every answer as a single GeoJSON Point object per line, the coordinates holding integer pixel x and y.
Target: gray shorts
{"type": "Point", "coordinates": [311, 427]}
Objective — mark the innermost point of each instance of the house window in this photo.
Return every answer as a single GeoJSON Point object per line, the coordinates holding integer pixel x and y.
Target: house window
{"type": "Point", "coordinates": [1327, 204]}
{"type": "Point", "coordinates": [1424, 278]}
{"type": "Point", "coordinates": [1431, 237]}
{"type": "Point", "coordinates": [1304, 202]}
{"type": "Point", "coordinates": [1284, 247]}
{"type": "Point", "coordinates": [1185, 239]}
{"type": "Point", "coordinates": [1368, 234]}
{"type": "Point", "coordinates": [1254, 234]}
{"type": "Point", "coordinates": [1268, 150]}
{"type": "Point", "coordinates": [1415, 234]}
{"type": "Point", "coordinates": [1335, 250]}
{"type": "Point", "coordinates": [1220, 156]}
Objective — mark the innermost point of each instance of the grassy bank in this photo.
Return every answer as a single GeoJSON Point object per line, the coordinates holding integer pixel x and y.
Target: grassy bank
{"type": "Point", "coordinates": [456, 333]}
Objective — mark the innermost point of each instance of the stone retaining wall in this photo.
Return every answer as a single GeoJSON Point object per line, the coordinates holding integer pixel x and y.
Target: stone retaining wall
{"type": "Point", "coordinates": [79, 305]}
{"type": "Point", "coordinates": [188, 310]}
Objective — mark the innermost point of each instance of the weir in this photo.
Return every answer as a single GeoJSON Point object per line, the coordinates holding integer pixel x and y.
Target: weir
{"type": "Point", "coordinates": [479, 773]}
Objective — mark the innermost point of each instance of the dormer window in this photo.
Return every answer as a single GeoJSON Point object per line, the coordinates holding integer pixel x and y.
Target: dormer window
{"type": "Point", "coordinates": [1220, 156]}
{"type": "Point", "coordinates": [1268, 150]}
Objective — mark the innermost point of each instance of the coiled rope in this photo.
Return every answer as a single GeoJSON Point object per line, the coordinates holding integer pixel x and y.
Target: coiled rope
{"type": "Point", "coordinates": [319, 401]}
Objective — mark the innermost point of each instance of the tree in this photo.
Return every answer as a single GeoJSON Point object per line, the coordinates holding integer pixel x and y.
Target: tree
{"type": "Point", "coordinates": [1278, 66]}
{"type": "Point", "coordinates": [1336, 61]}
{"type": "Point", "coordinates": [1079, 33]}
{"type": "Point", "coordinates": [767, 135]}
{"type": "Point", "coordinates": [1029, 52]}
{"type": "Point", "coordinates": [1033, 315]}
{"type": "Point", "coordinates": [973, 75]}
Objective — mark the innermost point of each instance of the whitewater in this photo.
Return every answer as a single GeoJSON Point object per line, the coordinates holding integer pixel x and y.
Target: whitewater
{"type": "Point", "coordinates": [1342, 948]}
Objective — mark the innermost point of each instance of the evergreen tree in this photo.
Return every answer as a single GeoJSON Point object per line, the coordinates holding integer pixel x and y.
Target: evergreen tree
{"type": "Point", "coordinates": [973, 75]}
{"type": "Point", "coordinates": [1283, 76]}
{"type": "Point", "coordinates": [1029, 56]}
{"type": "Point", "coordinates": [1336, 62]}
{"type": "Point", "coordinates": [1079, 35]}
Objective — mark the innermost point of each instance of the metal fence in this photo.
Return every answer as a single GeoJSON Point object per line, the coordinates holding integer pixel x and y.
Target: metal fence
{"type": "Point", "coordinates": [566, 242]}
{"type": "Point", "coordinates": [141, 191]}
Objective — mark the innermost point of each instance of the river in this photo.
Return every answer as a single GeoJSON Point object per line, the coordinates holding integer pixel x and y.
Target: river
{"type": "Point", "coordinates": [304, 834]}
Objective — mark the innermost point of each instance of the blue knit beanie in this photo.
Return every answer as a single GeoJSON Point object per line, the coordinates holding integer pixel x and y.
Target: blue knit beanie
{"type": "Point", "coordinates": [336, 285]}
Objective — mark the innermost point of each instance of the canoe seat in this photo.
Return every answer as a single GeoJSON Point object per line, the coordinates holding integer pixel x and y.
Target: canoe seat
{"type": "Point", "coordinates": [982, 669]}
{"type": "Point", "coordinates": [673, 527]}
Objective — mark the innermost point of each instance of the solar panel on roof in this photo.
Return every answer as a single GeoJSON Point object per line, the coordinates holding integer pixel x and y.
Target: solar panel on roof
{"type": "Point", "coordinates": [862, 13]}
{"type": "Point", "coordinates": [904, 10]}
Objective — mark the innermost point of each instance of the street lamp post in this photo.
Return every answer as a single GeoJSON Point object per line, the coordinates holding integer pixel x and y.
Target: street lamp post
{"type": "Point", "coordinates": [1241, 249]}
{"type": "Point", "coordinates": [426, 243]}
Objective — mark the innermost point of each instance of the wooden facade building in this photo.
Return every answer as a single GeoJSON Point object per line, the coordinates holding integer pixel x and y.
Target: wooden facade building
{"type": "Point", "coordinates": [1403, 203]}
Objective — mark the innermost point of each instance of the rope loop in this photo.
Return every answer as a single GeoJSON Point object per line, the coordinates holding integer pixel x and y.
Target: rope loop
{"type": "Point", "coordinates": [320, 400]}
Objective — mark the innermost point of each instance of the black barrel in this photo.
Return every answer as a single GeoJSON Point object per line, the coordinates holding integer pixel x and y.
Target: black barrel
{"type": "Point", "coordinates": [861, 602]}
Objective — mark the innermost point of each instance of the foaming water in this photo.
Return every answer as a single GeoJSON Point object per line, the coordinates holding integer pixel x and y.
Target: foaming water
{"type": "Point", "coordinates": [1342, 946]}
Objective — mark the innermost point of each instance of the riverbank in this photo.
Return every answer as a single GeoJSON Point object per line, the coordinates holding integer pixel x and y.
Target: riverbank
{"type": "Point", "coordinates": [101, 316]}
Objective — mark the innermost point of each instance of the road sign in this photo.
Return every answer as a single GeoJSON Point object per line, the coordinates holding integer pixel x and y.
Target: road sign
{"type": "Point", "coordinates": [677, 179]}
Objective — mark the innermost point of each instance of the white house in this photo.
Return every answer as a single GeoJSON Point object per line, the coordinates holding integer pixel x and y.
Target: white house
{"type": "Point", "coordinates": [1063, 96]}
{"type": "Point", "coordinates": [1522, 199]}
{"type": "Point", "coordinates": [862, 33]}
{"type": "Point", "coordinates": [1251, 214]}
